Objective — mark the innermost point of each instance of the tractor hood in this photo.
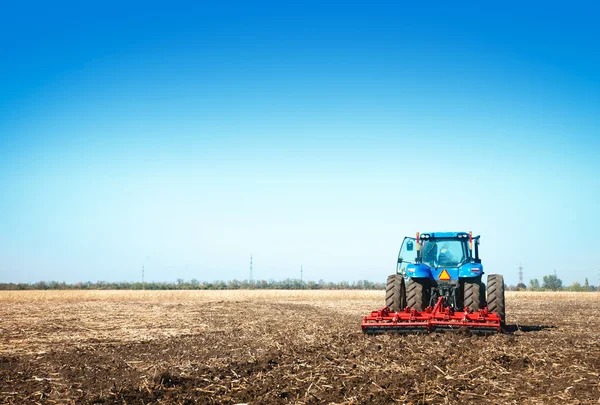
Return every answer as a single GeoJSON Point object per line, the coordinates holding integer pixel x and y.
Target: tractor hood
{"type": "Point", "coordinates": [421, 270]}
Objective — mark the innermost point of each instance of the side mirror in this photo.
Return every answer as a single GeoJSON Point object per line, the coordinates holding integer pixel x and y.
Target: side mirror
{"type": "Point", "coordinates": [409, 246]}
{"type": "Point", "coordinates": [400, 260]}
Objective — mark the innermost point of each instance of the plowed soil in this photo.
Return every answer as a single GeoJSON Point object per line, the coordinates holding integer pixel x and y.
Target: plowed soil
{"type": "Point", "coordinates": [278, 348]}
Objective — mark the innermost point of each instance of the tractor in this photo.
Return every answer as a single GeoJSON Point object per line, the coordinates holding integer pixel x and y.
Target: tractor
{"type": "Point", "coordinates": [438, 286]}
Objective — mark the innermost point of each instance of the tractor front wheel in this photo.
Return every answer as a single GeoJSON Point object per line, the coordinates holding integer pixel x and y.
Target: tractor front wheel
{"type": "Point", "coordinates": [472, 294]}
{"type": "Point", "coordinates": [395, 293]}
{"type": "Point", "coordinates": [495, 295]}
{"type": "Point", "coordinates": [416, 294]}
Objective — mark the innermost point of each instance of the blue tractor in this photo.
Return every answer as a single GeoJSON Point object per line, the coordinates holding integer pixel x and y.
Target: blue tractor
{"type": "Point", "coordinates": [444, 268]}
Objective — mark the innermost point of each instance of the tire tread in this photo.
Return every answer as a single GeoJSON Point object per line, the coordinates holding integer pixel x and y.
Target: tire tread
{"type": "Point", "coordinates": [415, 295]}
{"type": "Point", "coordinates": [472, 294]}
{"type": "Point", "coordinates": [495, 295]}
{"type": "Point", "coordinates": [395, 293]}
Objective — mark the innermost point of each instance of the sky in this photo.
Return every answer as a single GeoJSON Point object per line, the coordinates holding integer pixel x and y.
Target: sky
{"type": "Point", "coordinates": [185, 137]}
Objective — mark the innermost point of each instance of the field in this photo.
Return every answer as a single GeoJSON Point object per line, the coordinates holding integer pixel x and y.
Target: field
{"type": "Point", "coordinates": [303, 347]}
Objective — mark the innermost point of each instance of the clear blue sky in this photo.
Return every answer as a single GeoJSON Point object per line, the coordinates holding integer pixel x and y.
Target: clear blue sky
{"type": "Point", "coordinates": [185, 136]}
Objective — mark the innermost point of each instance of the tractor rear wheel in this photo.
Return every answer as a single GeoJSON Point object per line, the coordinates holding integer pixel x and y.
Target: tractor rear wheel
{"type": "Point", "coordinates": [416, 294]}
{"type": "Point", "coordinates": [472, 294]}
{"type": "Point", "coordinates": [395, 293]}
{"type": "Point", "coordinates": [495, 295]}
{"type": "Point", "coordinates": [482, 296]}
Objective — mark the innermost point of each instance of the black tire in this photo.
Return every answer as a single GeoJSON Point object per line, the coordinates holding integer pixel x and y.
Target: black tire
{"type": "Point", "coordinates": [395, 293]}
{"type": "Point", "coordinates": [472, 294]}
{"type": "Point", "coordinates": [416, 294]}
{"type": "Point", "coordinates": [482, 296]}
{"type": "Point", "coordinates": [495, 295]}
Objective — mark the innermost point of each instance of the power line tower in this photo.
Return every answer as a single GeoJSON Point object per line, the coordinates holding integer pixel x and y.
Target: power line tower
{"type": "Point", "coordinates": [520, 273]}
{"type": "Point", "coordinates": [251, 276]}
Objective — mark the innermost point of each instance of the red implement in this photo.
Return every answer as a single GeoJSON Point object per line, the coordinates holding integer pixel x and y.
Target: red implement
{"type": "Point", "coordinates": [438, 318]}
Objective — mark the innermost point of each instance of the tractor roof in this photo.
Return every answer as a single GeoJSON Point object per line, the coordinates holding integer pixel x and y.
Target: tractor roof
{"type": "Point", "coordinates": [436, 235]}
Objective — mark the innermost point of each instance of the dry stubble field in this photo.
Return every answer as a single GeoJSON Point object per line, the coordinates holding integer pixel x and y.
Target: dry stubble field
{"type": "Point", "coordinates": [302, 347]}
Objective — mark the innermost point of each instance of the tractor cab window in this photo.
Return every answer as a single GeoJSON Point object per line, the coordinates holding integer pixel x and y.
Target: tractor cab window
{"type": "Point", "coordinates": [407, 255]}
{"type": "Point", "coordinates": [444, 253]}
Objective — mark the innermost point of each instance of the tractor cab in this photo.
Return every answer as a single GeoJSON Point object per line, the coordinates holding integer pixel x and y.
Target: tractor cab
{"type": "Point", "coordinates": [427, 255]}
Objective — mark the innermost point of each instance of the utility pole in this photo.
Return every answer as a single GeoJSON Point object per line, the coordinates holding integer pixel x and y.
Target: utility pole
{"type": "Point", "coordinates": [300, 274]}
{"type": "Point", "coordinates": [520, 273]}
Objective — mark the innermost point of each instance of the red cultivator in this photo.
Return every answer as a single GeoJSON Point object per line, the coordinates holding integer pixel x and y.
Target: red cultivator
{"type": "Point", "coordinates": [438, 318]}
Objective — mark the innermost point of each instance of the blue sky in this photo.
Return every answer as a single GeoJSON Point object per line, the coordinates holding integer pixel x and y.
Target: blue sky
{"type": "Point", "coordinates": [186, 137]}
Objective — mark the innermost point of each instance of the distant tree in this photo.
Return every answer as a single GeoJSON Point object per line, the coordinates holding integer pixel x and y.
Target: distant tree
{"type": "Point", "coordinates": [534, 284]}
{"type": "Point", "coordinates": [552, 282]}
{"type": "Point", "coordinates": [576, 286]}
{"type": "Point", "coordinates": [521, 287]}
{"type": "Point", "coordinates": [586, 285]}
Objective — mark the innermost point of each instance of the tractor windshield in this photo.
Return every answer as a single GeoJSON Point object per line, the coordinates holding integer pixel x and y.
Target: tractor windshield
{"type": "Point", "coordinates": [444, 253]}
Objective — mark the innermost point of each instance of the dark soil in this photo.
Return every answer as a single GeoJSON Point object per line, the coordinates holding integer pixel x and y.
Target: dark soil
{"type": "Point", "coordinates": [284, 352]}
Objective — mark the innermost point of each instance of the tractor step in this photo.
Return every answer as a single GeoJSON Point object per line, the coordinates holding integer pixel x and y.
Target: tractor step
{"type": "Point", "coordinates": [440, 318]}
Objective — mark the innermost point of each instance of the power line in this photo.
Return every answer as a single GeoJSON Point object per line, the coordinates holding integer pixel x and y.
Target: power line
{"type": "Point", "coordinates": [520, 273]}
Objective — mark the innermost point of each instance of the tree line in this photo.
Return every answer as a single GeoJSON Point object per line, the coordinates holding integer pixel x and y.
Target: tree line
{"type": "Point", "coordinates": [193, 284]}
{"type": "Point", "coordinates": [551, 282]}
